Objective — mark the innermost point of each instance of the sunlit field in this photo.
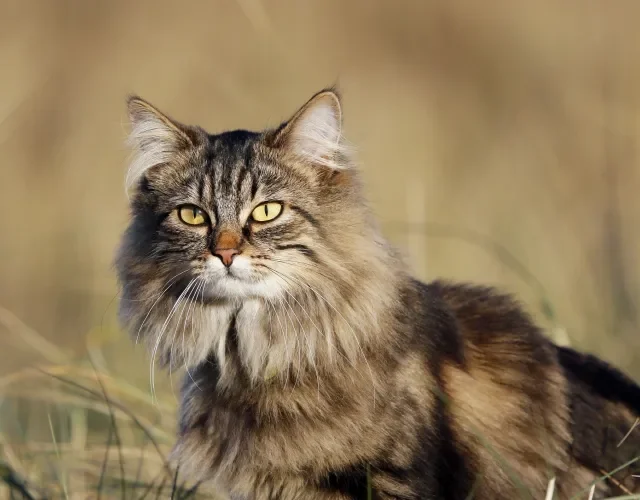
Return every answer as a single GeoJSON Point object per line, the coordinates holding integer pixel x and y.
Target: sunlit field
{"type": "Point", "coordinates": [499, 144]}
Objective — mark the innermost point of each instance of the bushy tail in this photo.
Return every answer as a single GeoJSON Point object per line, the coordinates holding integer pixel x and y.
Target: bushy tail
{"type": "Point", "coordinates": [605, 412]}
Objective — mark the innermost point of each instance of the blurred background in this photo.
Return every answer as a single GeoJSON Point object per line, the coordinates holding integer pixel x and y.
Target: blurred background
{"type": "Point", "coordinates": [499, 143]}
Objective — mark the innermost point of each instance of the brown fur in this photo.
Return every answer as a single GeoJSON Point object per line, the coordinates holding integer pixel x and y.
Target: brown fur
{"type": "Point", "coordinates": [325, 369]}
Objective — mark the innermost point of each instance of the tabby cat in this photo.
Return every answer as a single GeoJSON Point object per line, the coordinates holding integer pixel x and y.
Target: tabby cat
{"type": "Point", "coordinates": [317, 368]}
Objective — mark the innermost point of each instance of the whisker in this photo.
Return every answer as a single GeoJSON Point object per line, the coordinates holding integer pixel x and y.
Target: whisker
{"type": "Point", "coordinates": [154, 304]}
{"type": "Point", "coordinates": [164, 327]}
{"type": "Point", "coordinates": [171, 281]}
{"type": "Point", "coordinates": [355, 336]}
{"type": "Point", "coordinates": [312, 360]}
{"type": "Point", "coordinates": [310, 265]}
{"type": "Point", "coordinates": [284, 330]}
{"type": "Point", "coordinates": [327, 335]}
{"type": "Point", "coordinates": [186, 304]}
{"type": "Point", "coordinates": [197, 289]}
{"type": "Point", "coordinates": [289, 311]}
{"type": "Point", "coordinates": [287, 308]}
{"type": "Point", "coordinates": [202, 310]}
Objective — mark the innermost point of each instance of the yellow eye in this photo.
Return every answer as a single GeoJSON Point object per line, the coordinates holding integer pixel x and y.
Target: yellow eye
{"type": "Point", "coordinates": [192, 215]}
{"type": "Point", "coordinates": [266, 211]}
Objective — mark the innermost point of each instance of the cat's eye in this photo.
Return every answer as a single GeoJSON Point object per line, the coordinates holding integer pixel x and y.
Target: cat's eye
{"type": "Point", "coordinates": [192, 215]}
{"type": "Point", "coordinates": [266, 212]}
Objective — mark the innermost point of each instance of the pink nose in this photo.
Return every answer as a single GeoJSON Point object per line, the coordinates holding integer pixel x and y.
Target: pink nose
{"type": "Point", "coordinates": [226, 255]}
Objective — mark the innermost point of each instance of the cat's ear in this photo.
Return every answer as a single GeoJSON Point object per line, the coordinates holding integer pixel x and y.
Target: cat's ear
{"type": "Point", "coordinates": [154, 138]}
{"type": "Point", "coordinates": [314, 133]}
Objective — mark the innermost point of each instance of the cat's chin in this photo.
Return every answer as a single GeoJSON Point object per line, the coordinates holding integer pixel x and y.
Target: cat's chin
{"type": "Point", "coordinates": [230, 287]}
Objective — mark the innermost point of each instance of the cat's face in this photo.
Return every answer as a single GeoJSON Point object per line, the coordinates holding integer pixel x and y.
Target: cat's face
{"type": "Point", "coordinates": [265, 231]}
{"type": "Point", "coordinates": [239, 215]}
{"type": "Point", "coordinates": [233, 217]}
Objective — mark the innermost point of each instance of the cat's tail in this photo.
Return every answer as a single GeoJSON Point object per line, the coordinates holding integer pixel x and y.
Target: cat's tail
{"type": "Point", "coordinates": [605, 420]}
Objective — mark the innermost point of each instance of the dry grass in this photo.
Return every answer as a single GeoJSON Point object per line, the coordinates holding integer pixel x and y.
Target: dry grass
{"type": "Point", "coordinates": [107, 438]}
{"type": "Point", "coordinates": [499, 143]}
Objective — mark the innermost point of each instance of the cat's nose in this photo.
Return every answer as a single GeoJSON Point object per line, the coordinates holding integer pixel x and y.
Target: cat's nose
{"type": "Point", "coordinates": [227, 245]}
{"type": "Point", "coordinates": [226, 255]}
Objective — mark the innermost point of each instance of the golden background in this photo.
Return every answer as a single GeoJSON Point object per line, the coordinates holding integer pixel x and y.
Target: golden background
{"type": "Point", "coordinates": [498, 140]}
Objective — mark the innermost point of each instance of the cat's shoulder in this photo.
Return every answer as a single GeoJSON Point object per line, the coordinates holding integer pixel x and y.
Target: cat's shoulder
{"type": "Point", "coordinates": [484, 315]}
{"type": "Point", "coordinates": [473, 296]}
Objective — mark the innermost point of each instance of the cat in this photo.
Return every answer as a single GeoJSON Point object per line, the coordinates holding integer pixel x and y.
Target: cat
{"type": "Point", "coordinates": [317, 367]}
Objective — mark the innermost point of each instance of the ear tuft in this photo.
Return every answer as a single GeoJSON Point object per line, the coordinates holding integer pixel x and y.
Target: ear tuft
{"type": "Point", "coordinates": [154, 138]}
{"type": "Point", "coordinates": [314, 133]}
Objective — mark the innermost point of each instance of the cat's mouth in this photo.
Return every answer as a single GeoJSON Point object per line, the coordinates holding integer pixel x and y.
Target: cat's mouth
{"type": "Point", "coordinates": [222, 279]}
{"type": "Point", "coordinates": [241, 280]}
{"type": "Point", "coordinates": [216, 271]}
{"type": "Point", "coordinates": [230, 274]}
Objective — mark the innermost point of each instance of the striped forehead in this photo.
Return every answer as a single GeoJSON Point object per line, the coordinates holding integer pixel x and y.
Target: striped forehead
{"type": "Point", "coordinates": [230, 172]}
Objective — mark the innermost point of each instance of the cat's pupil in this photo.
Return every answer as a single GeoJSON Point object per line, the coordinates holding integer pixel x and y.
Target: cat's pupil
{"type": "Point", "coordinates": [266, 210]}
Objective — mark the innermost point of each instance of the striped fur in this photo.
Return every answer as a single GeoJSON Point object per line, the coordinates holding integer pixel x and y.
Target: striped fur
{"type": "Point", "coordinates": [317, 366]}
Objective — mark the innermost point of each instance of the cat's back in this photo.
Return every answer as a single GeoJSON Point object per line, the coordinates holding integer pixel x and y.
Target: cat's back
{"type": "Point", "coordinates": [505, 394]}
{"type": "Point", "coordinates": [511, 399]}
{"type": "Point", "coordinates": [481, 328]}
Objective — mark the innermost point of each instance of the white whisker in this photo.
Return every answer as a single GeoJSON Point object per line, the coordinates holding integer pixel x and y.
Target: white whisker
{"type": "Point", "coordinates": [160, 335]}
{"type": "Point", "coordinates": [186, 304]}
{"type": "Point", "coordinates": [284, 331]}
{"type": "Point", "coordinates": [355, 336]}
{"type": "Point", "coordinates": [311, 354]}
{"type": "Point", "coordinates": [197, 289]}
{"type": "Point", "coordinates": [287, 308]}
{"type": "Point", "coordinates": [169, 284]}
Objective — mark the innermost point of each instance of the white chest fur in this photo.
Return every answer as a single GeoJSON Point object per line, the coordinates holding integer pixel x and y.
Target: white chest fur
{"type": "Point", "coordinates": [250, 320]}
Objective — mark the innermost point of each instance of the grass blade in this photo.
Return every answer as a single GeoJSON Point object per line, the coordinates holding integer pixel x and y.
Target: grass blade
{"type": "Point", "coordinates": [114, 427]}
{"type": "Point", "coordinates": [13, 482]}
{"type": "Point", "coordinates": [123, 409]}
{"type": "Point", "coordinates": [103, 469]}
{"type": "Point", "coordinates": [55, 444]}
{"type": "Point", "coordinates": [174, 484]}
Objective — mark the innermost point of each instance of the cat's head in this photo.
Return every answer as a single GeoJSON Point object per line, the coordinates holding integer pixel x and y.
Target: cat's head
{"type": "Point", "coordinates": [238, 216]}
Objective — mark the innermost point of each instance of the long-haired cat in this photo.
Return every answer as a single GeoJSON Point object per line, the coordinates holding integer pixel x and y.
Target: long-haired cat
{"type": "Point", "coordinates": [316, 366]}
